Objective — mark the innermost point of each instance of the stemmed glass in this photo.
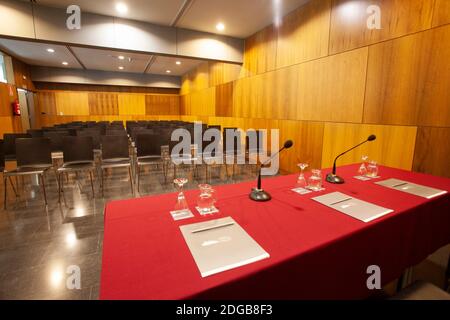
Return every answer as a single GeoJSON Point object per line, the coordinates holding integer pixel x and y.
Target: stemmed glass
{"type": "Point", "coordinates": [301, 181]}
{"type": "Point", "coordinates": [363, 168]}
{"type": "Point", "coordinates": [181, 200]}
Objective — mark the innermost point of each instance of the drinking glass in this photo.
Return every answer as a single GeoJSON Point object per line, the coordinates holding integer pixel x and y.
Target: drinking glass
{"type": "Point", "coordinates": [372, 169]}
{"type": "Point", "coordinates": [301, 181]}
{"type": "Point", "coordinates": [181, 200]}
{"type": "Point", "coordinates": [363, 168]}
{"type": "Point", "coordinates": [315, 181]}
{"type": "Point", "coordinates": [206, 200]}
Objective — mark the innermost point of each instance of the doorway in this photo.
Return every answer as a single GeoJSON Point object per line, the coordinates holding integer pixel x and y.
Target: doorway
{"type": "Point", "coordinates": [26, 101]}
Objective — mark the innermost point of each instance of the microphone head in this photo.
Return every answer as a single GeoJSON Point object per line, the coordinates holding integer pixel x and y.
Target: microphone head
{"type": "Point", "coordinates": [288, 144]}
{"type": "Point", "coordinates": [371, 137]}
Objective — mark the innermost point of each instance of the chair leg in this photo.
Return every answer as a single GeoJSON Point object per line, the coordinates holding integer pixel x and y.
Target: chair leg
{"type": "Point", "coordinates": [59, 187]}
{"type": "Point", "coordinates": [92, 184]}
{"type": "Point", "coordinates": [102, 182]}
{"type": "Point", "coordinates": [139, 178]}
{"type": "Point", "coordinates": [4, 202]}
{"type": "Point", "coordinates": [12, 186]}
{"type": "Point", "coordinates": [131, 179]}
{"type": "Point", "coordinates": [43, 187]}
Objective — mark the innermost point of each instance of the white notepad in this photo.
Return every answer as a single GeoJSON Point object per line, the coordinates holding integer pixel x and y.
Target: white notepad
{"type": "Point", "coordinates": [358, 209]}
{"type": "Point", "coordinates": [220, 245]}
{"type": "Point", "coordinates": [412, 188]}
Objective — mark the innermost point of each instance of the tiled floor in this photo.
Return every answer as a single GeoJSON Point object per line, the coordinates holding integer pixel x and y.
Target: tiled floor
{"type": "Point", "coordinates": [39, 243]}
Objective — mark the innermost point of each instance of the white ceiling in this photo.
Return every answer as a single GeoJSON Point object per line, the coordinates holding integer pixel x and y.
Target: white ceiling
{"type": "Point", "coordinates": [241, 18]}
{"type": "Point", "coordinates": [35, 53]}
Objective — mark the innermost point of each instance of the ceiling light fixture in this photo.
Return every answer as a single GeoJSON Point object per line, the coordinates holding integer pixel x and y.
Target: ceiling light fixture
{"type": "Point", "coordinates": [51, 50]}
{"type": "Point", "coordinates": [178, 62]}
{"type": "Point", "coordinates": [121, 68]}
{"type": "Point", "coordinates": [168, 71]}
{"type": "Point", "coordinates": [121, 8]}
{"type": "Point", "coordinates": [220, 26]}
{"type": "Point", "coordinates": [120, 57]}
{"type": "Point", "coordinates": [65, 63]}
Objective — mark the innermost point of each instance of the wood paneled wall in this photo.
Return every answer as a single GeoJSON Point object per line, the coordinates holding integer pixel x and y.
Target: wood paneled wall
{"type": "Point", "coordinates": [8, 122]}
{"type": "Point", "coordinates": [56, 106]}
{"type": "Point", "coordinates": [327, 82]}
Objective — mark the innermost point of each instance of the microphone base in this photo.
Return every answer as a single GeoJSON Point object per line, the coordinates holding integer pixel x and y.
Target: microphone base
{"type": "Point", "coordinates": [259, 195]}
{"type": "Point", "coordinates": [332, 178]}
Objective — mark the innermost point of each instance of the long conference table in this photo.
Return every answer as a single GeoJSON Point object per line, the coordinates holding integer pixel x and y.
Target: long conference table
{"type": "Point", "coordinates": [315, 251]}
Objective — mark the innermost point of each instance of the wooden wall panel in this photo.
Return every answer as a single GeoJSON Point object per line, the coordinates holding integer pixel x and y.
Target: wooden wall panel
{"type": "Point", "coordinates": [103, 103]}
{"type": "Point", "coordinates": [220, 73]}
{"type": "Point", "coordinates": [51, 86]}
{"type": "Point", "coordinates": [6, 125]}
{"type": "Point", "coordinates": [203, 102]}
{"type": "Point", "coordinates": [332, 88]}
{"type": "Point", "coordinates": [162, 105]}
{"type": "Point", "coordinates": [398, 18]}
{"type": "Point", "coordinates": [409, 79]}
{"type": "Point", "coordinates": [224, 100]}
{"type": "Point", "coordinates": [307, 138]}
{"type": "Point", "coordinates": [261, 52]}
{"type": "Point", "coordinates": [22, 75]}
{"type": "Point", "coordinates": [304, 34]}
{"type": "Point", "coordinates": [6, 98]}
{"type": "Point", "coordinates": [46, 102]}
{"type": "Point", "coordinates": [432, 151]}
{"type": "Point", "coordinates": [72, 103]}
{"type": "Point", "coordinates": [441, 13]}
{"type": "Point", "coordinates": [131, 104]}
{"type": "Point", "coordinates": [185, 104]}
{"type": "Point", "coordinates": [394, 146]}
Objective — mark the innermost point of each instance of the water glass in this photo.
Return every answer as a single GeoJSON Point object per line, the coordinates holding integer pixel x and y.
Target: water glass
{"type": "Point", "coordinates": [372, 169]}
{"type": "Point", "coordinates": [315, 180]}
{"type": "Point", "coordinates": [206, 199]}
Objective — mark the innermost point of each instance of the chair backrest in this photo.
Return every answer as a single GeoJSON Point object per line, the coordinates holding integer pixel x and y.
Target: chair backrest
{"type": "Point", "coordinates": [94, 133]}
{"type": "Point", "coordinates": [35, 133]}
{"type": "Point", "coordinates": [9, 143]}
{"type": "Point", "coordinates": [115, 132]}
{"type": "Point", "coordinates": [2, 156]}
{"type": "Point", "coordinates": [33, 152]}
{"type": "Point", "coordinates": [56, 139]}
{"type": "Point", "coordinates": [78, 149]}
{"type": "Point", "coordinates": [148, 145]}
{"type": "Point", "coordinates": [114, 147]}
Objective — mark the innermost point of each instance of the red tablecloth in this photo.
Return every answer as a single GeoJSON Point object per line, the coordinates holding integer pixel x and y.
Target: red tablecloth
{"type": "Point", "coordinates": [315, 252]}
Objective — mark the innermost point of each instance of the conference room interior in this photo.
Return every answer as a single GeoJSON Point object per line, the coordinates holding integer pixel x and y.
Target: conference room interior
{"type": "Point", "coordinates": [329, 177]}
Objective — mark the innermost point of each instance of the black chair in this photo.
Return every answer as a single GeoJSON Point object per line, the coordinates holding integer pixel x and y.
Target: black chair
{"type": "Point", "coordinates": [78, 156]}
{"type": "Point", "coordinates": [115, 154]}
{"type": "Point", "coordinates": [2, 169]}
{"type": "Point", "coordinates": [9, 144]}
{"type": "Point", "coordinates": [148, 152]}
{"type": "Point", "coordinates": [56, 139]}
{"type": "Point", "coordinates": [91, 132]}
{"type": "Point", "coordinates": [35, 133]}
{"type": "Point", "coordinates": [34, 156]}
{"type": "Point", "coordinates": [181, 157]}
{"type": "Point", "coordinates": [115, 131]}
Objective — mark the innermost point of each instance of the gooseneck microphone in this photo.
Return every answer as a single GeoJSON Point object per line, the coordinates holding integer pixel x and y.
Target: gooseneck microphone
{"type": "Point", "coordinates": [258, 194]}
{"type": "Point", "coordinates": [332, 177]}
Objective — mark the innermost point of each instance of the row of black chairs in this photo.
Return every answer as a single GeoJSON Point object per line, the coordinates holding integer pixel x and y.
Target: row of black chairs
{"type": "Point", "coordinates": [34, 157]}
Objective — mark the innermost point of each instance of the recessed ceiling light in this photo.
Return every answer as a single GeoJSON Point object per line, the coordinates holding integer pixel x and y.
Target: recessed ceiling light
{"type": "Point", "coordinates": [51, 50]}
{"type": "Point", "coordinates": [121, 8]}
{"type": "Point", "coordinates": [168, 71]}
{"type": "Point", "coordinates": [121, 68]}
{"type": "Point", "coordinates": [121, 57]}
{"type": "Point", "coordinates": [178, 62]}
{"type": "Point", "coordinates": [220, 26]}
{"type": "Point", "coordinates": [65, 63]}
